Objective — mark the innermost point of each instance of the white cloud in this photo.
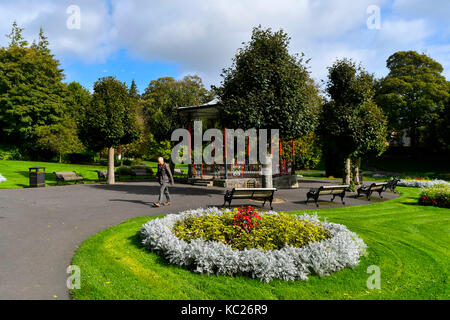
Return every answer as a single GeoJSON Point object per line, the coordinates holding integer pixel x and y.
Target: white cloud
{"type": "Point", "coordinates": [201, 36]}
{"type": "Point", "coordinates": [204, 35]}
{"type": "Point", "coordinates": [92, 42]}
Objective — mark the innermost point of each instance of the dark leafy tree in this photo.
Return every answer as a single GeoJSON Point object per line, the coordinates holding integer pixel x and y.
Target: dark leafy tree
{"type": "Point", "coordinates": [31, 91]}
{"type": "Point", "coordinates": [267, 87]}
{"type": "Point", "coordinates": [351, 124]}
{"type": "Point", "coordinates": [413, 94]}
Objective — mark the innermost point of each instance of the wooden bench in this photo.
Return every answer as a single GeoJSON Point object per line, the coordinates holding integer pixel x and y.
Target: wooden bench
{"type": "Point", "coordinates": [374, 187]}
{"type": "Point", "coordinates": [68, 176]}
{"type": "Point", "coordinates": [314, 193]}
{"type": "Point", "coordinates": [265, 194]}
{"type": "Point", "coordinates": [141, 172]}
{"type": "Point", "coordinates": [103, 175]}
{"type": "Point", "coordinates": [392, 184]}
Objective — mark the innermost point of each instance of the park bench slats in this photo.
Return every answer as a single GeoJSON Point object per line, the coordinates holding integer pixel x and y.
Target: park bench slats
{"type": "Point", "coordinates": [68, 176]}
{"type": "Point", "coordinates": [265, 194]}
{"type": "Point", "coordinates": [140, 173]}
{"type": "Point", "coordinates": [314, 193]}
{"type": "Point", "coordinates": [374, 187]}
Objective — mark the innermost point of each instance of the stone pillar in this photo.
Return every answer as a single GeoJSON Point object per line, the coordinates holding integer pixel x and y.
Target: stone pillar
{"type": "Point", "coordinates": [267, 173]}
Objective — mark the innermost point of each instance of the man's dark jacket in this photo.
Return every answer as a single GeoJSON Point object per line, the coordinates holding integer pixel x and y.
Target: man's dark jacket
{"type": "Point", "coordinates": [164, 174]}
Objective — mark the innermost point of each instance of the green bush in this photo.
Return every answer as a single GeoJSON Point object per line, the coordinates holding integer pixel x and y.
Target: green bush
{"type": "Point", "coordinates": [308, 152]}
{"type": "Point", "coordinates": [437, 196]}
{"type": "Point", "coordinates": [126, 170]}
{"type": "Point", "coordinates": [272, 232]}
{"type": "Point", "coordinates": [81, 157]}
{"type": "Point", "coordinates": [11, 153]}
{"type": "Point", "coordinates": [104, 162]}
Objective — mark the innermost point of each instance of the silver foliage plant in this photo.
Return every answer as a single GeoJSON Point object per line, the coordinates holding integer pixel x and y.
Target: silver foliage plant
{"type": "Point", "coordinates": [421, 183]}
{"type": "Point", "coordinates": [343, 249]}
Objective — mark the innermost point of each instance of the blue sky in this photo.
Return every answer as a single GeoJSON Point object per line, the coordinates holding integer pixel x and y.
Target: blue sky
{"type": "Point", "coordinates": [144, 40]}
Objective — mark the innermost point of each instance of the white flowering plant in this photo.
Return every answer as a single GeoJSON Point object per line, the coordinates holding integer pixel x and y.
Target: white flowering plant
{"type": "Point", "coordinates": [421, 183]}
{"type": "Point", "coordinates": [2, 178]}
{"type": "Point", "coordinates": [342, 249]}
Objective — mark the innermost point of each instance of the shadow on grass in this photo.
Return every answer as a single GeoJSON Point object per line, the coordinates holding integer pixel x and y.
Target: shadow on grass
{"type": "Point", "coordinates": [135, 241]}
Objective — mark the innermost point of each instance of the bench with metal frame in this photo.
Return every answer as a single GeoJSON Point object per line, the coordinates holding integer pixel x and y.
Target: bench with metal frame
{"type": "Point", "coordinates": [392, 184]}
{"type": "Point", "coordinates": [144, 172]}
{"type": "Point", "coordinates": [68, 176]}
{"type": "Point", "coordinates": [334, 191]}
{"type": "Point", "coordinates": [265, 194]}
{"type": "Point", "coordinates": [103, 175]}
{"type": "Point", "coordinates": [379, 187]}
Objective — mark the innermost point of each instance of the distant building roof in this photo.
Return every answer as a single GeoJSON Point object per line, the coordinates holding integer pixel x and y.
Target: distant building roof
{"type": "Point", "coordinates": [214, 102]}
{"type": "Point", "coordinates": [203, 111]}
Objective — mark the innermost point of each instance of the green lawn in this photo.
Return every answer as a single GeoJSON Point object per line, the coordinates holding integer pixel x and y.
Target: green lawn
{"type": "Point", "coordinates": [16, 172]}
{"type": "Point", "coordinates": [409, 243]}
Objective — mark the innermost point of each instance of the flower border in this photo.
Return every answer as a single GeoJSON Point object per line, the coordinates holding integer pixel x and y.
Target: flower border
{"type": "Point", "coordinates": [421, 183]}
{"type": "Point", "coordinates": [342, 250]}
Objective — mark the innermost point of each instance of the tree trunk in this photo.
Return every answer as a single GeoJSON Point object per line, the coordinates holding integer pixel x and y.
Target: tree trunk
{"type": "Point", "coordinates": [347, 171]}
{"type": "Point", "coordinates": [60, 158]}
{"type": "Point", "coordinates": [111, 179]}
{"type": "Point", "coordinates": [356, 171]}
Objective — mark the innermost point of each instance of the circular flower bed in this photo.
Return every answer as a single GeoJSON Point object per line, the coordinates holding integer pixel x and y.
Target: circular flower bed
{"type": "Point", "coordinates": [319, 248]}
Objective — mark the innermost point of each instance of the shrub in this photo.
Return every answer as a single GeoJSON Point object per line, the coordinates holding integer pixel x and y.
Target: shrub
{"type": "Point", "coordinates": [308, 152]}
{"type": "Point", "coordinates": [437, 196]}
{"type": "Point", "coordinates": [246, 229]}
{"type": "Point", "coordinates": [104, 162]}
{"type": "Point", "coordinates": [421, 183]}
{"type": "Point", "coordinates": [81, 157]}
{"type": "Point", "coordinates": [132, 162]}
{"type": "Point", "coordinates": [342, 249]}
{"type": "Point", "coordinates": [126, 170]}
{"type": "Point", "coordinates": [11, 153]}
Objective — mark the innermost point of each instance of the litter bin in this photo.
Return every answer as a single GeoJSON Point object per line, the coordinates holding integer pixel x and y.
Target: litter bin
{"type": "Point", "coordinates": [37, 177]}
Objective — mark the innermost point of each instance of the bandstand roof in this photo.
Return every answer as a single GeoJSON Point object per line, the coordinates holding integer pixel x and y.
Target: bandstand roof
{"type": "Point", "coordinates": [204, 111]}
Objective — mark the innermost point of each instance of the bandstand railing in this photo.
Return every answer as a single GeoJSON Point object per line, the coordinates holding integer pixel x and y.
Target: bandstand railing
{"type": "Point", "coordinates": [238, 171]}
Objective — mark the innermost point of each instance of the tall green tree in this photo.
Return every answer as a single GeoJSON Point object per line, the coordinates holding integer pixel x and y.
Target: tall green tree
{"type": "Point", "coordinates": [267, 87]}
{"type": "Point", "coordinates": [164, 96]}
{"type": "Point", "coordinates": [110, 120]}
{"type": "Point", "coordinates": [351, 124]}
{"type": "Point", "coordinates": [31, 91]}
{"type": "Point", "coordinates": [413, 94]}
{"type": "Point", "coordinates": [77, 100]}
{"type": "Point", "coordinates": [134, 148]}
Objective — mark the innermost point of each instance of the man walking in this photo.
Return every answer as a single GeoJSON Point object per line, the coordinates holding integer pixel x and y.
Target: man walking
{"type": "Point", "coordinates": [164, 177]}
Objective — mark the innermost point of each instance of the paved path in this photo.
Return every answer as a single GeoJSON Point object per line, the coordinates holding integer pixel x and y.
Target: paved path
{"type": "Point", "coordinates": [40, 229]}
